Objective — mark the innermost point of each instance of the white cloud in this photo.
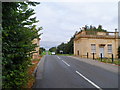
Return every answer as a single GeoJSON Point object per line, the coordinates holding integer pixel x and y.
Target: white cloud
{"type": "Point", "coordinates": [75, 0]}
{"type": "Point", "coordinates": [61, 20]}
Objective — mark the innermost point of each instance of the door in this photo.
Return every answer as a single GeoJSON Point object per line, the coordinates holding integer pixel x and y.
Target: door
{"type": "Point", "coordinates": [102, 51]}
{"type": "Point", "coordinates": [78, 52]}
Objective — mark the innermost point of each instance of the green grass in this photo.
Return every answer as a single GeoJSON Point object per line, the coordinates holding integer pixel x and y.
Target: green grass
{"type": "Point", "coordinates": [65, 54]}
{"type": "Point", "coordinates": [49, 53]}
{"type": "Point", "coordinates": [44, 53]}
{"type": "Point", "coordinates": [109, 60]}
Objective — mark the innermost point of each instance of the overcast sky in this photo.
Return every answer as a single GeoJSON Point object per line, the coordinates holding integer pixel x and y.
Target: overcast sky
{"type": "Point", "coordinates": [60, 20]}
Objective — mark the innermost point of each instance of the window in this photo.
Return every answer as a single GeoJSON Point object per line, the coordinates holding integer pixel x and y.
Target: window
{"type": "Point", "coordinates": [109, 48]}
{"type": "Point", "coordinates": [93, 48]}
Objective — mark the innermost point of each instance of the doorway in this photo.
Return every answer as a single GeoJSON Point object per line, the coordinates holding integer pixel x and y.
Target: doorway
{"type": "Point", "coordinates": [78, 52]}
{"type": "Point", "coordinates": [102, 51]}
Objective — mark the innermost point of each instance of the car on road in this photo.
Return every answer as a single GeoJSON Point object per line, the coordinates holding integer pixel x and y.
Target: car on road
{"type": "Point", "coordinates": [53, 53]}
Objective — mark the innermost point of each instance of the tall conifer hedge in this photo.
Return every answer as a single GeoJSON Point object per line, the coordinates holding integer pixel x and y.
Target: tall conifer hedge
{"type": "Point", "coordinates": [17, 35]}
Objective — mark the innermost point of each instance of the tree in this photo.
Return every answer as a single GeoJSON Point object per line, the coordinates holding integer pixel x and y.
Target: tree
{"type": "Point", "coordinates": [71, 45]}
{"type": "Point", "coordinates": [53, 49]}
{"type": "Point", "coordinates": [17, 36]}
{"type": "Point", "coordinates": [61, 47]}
{"type": "Point", "coordinates": [100, 27]}
{"type": "Point", "coordinates": [68, 47]}
{"type": "Point", "coordinates": [86, 27]}
{"type": "Point", "coordinates": [42, 50]}
{"type": "Point", "coordinates": [93, 28]}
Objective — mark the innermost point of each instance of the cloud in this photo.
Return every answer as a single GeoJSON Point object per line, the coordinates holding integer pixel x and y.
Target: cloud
{"type": "Point", "coordinates": [60, 20]}
{"type": "Point", "coordinates": [49, 44]}
{"type": "Point", "coordinates": [75, 0]}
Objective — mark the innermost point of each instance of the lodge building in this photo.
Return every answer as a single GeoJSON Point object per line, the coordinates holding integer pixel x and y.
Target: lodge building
{"type": "Point", "coordinates": [36, 52]}
{"type": "Point", "coordinates": [97, 42]}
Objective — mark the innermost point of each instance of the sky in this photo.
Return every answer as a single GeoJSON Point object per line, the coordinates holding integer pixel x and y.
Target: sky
{"type": "Point", "coordinates": [60, 20]}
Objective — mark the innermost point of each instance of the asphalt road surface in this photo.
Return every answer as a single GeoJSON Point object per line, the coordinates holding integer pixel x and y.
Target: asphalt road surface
{"type": "Point", "coordinates": [68, 72]}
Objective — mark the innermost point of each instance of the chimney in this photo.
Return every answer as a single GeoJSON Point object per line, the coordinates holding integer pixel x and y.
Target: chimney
{"type": "Point", "coordinates": [115, 30]}
{"type": "Point", "coordinates": [116, 33]}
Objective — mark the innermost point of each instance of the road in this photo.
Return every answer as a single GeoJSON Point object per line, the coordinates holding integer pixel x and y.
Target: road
{"type": "Point", "coordinates": [69, 72]}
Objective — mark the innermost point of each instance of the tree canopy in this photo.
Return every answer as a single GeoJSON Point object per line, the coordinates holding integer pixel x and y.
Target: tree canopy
{"type": "Point", "coordinates": [67, 48]}
{"type": "Point", "coordinates": [53, 49]}
{"type": "Point", "coordinates": [17, 36]}
{"type": "Point", "coordinates": [93, 28]}
{"type": "Point", "coordinates": [42, 49]}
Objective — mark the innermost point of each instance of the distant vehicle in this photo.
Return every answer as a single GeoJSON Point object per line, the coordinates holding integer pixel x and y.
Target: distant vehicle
{"type": "Point", "coordinates": [53, 53]}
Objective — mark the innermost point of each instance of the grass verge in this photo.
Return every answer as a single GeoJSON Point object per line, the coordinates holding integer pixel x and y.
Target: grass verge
{"type": "Point", "coordinates": [31, 78]}
{"type": "Point", "coordinates": [65, 54]}
{"type": "Point", "coordinates": [109, 60]}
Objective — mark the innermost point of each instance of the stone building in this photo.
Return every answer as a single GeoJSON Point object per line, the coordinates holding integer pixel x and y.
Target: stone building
{"type": "Point", "coordinates": [96, 42]}
{"type": "Point", "coordinates": [36, 54]}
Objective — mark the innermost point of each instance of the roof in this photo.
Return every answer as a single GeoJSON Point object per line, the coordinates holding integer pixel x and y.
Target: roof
{"type": "Point", "coordinates": [97, 35]}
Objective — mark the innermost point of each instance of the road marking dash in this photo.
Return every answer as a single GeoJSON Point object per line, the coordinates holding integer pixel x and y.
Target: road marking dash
{"type": "Point", "coordinates": [58, 57]}
{"type": "Point", "coordinates": [66, 63]}
{"type": "Point", "coordinates": [89, 80]}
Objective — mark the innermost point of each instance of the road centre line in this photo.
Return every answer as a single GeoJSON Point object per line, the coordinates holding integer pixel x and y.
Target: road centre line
{"type": "Point", "coordinates": [66, 63]}
{"type": "Point", "coordinates": [89, 80]}
{"type": "Point", "coordinates": [82, 76]}
{"type": "Point", "coordinates": [58, 57]}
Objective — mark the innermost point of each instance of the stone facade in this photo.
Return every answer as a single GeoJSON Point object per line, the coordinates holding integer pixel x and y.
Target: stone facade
{"type": "Point", "coordinates": [89, 42]}
{"type": "Point", "coordinates": [36, 54]}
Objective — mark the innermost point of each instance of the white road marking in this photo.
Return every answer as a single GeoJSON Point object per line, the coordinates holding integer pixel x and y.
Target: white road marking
{"type": "Point", "coordinates": [58, 57]}
{"type": "Point", "coordinates": [88, 80]}
{"type": "Point", "coordinates": [66, 63]}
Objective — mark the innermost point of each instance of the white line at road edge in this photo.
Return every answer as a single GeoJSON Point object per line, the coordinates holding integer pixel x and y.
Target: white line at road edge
{"type": "Point", "coordinates": [58, 57]}
{"type": "Point", "coordinates": [66, 63]}
{"type": "Point", "coordinates": [88, 80]}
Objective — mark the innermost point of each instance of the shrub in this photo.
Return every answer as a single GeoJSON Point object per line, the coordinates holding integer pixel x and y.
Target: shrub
{"type": "Point", "coordinates": [17, 35]}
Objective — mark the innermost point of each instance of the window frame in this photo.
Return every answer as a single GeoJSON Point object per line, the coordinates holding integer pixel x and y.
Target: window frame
{"type": "Point", "coordinates": [93, 48]}
{"type": "Point", "coordinates": [109, 48]}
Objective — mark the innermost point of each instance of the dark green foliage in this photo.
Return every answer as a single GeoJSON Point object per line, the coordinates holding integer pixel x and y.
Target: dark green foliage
{"type": "Point", "coordinates": [93, 28]}
{"type": "Point", "coordinates": [17, 35]}
{"type": "Point", "coordinates": [62, 47]}
{"type": "Point", "coordinates": [119, 52]}
{"type": "Point", "coordinates": [41, 50]}
{"type": "Point", "coordinates": [67, 48]}
{"type": "Point", "coordinates": [53, 49]}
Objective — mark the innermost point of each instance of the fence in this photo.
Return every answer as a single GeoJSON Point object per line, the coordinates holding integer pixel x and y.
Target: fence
{"type": "Point", "coordinates": [105, 59]}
